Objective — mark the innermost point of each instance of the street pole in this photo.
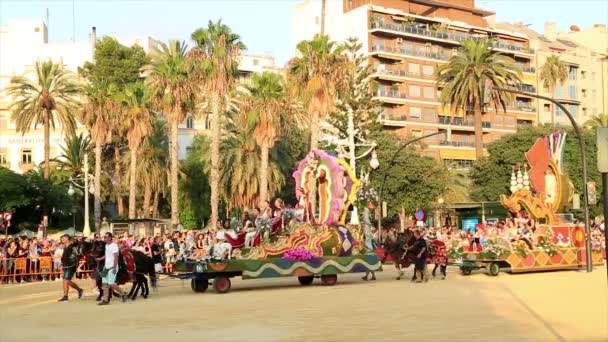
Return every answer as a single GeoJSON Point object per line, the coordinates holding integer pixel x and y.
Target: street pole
{"type": "Point", "coordinates": [86, 231]}
{"type": "Point", "coordinates": [581, 142]}
{"type": "Point", "coordinates": [601, 136]}
{"type": "Point", "coordinates": [351, 140]}
{"type": "Point", "coordinates": [390, 163]}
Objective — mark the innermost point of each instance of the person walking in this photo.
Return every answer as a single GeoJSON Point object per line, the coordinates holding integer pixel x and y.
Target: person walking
{"type": "Point", "coordinates": [69, 262]}
{"type": "Point", "coordinates": [420, 250]}
{"type": "Point", "coordinates": [110, 270]}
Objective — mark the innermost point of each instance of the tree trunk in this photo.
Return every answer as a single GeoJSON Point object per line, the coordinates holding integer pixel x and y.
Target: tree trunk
{"type": "Point", "coordinates": [314, 131]}
{"type": "Point", "coordinates": [215, 159]}
{"type": "Point", "coordinates": [478, 134]}
{"type": "Point", "coordinates": [132, 184]}
{"type": "Point", "coordinates": [403, 219]}
{"type": "Point", "coordinates": [147, 197]}
{"type": "Point", "coordinates": [264, 173]}
{"type": "Point", "coordinates": [155, 204]}
{"type": "Point", "coordinates": [47, 144]}
{"type": "Point", "coordinates": [174, 171]}
{"type": "Point", "coordinates": [323, 3]}
{"type": "Point", "coordinates": [118, 182]}
{"type": "Point", "coordinates": [97, 185]}
{"type": "Point", "coordinates": [554, 111]}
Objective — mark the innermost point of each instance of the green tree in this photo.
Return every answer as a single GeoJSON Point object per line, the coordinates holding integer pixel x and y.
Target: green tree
{"type": "Point", "coordinates": [48, 98]}
{"type": "Point", "coordinates": [318, 74]}
{"type": "Point", "coordinates": [135, 101]}
{"type": "Point", "coordinates": [553, 72]}
{"type": "Point", "coordinates": [600, 120]}
{"type": "Point", "coordinates": [72, 155]}
{"type": "Point", "coordinates": [217, 48]}
{"type": "Point", "coordinates": [170, 77]}
{"type": "Point", "coordinates": [152, 167]}
{"type": "Point", "coordinates": [115, 63]}
{"type": "Point", "coordinates": [13, 191]}
{"type": "Point", "coordinates": [464, 77]}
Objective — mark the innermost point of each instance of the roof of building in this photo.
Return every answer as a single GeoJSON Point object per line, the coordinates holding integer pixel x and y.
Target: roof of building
{"type": "Point", "coordinates": [447, 4]}
{"type": "Point", "coordinates": [559, 44]}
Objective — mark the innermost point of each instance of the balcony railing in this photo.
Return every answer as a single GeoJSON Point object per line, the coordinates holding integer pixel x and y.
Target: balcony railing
{"type": "Point", "coordinates": [457, 143]}
{"type": "Point", "coordinates": [527, 68]}
{"type": "Point", "coordinates": [390, 72]}
{"type": "Point", "coordinates": [440, 55]}
{"type": "Point", "coordinates": [525, 108]}
{"type": "Point", "coordinates": [390, 93]}
{"type": "Point", "coordinates": [526, 88]}
{"type": "Point", "coordinates": [393, 116]}
{"type": "Point", "coordinates": [448, 120]}
{"type": "Point", "coordinates": [453, 36]}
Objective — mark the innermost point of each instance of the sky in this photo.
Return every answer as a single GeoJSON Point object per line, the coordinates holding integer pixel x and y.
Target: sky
{"type": "Point", "coordinates": [264, 25]}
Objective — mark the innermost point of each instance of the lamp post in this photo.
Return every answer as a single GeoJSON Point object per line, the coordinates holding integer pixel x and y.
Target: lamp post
{"type": "Point", "coordinates": [86, 231]}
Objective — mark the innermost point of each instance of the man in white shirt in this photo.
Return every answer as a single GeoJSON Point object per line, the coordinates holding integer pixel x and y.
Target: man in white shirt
{"type": "Point", "coordinates": [110, 270]}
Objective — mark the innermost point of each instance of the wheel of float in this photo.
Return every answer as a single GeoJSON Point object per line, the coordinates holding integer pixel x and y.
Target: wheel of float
{"type": "Point", "coordinates": [306, 280]}
{"type": "Point", "coordinates": [329, 279]}
{"type": "Point", "coordinates": [493, 269]}
{"type": "Point", "coordinates": [199, 284]}
{"type": "Point", "coordinates": [222, 284]}
{"type": "Point", "coordinates": [466, 270]}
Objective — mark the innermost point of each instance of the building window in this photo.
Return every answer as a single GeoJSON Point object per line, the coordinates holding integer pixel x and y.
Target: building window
{"type": "Point", "coordinates": [584, 111]}
{"type": "Point", "coordinates": [583, 74]}
{"type": "Point", "coordinates": [429, 93]}
{"type": "Point", "coordinates": [428, 114]}
{"type": "Point", "coordinates": [316, 20]}
{"type": "Point", "coordinates": [416, 133]}
{"type": "Point", "coordinates": [189, 122]}
{"type": "Point", "coordinates": [3, 158]}
{"type": "Point", "coordinates": [415, 112]}
{"type": "Point", "coordinates": [26, 156]}
{"type": "Point", "coordinates": [572, 92]}
{"type": "Point", "coordinates": [413, 68]}
{"type": "Point", "coordinates": [547, 107]}
{"type": "Point", "coordinates": [458, 163]}
{"type": "Point", "coordinates": [572, 74]}
{"type": "Point", "coordinates": [584, 92]}
{"type": "Point", "coordinates": [428, 70]}
{"type": "Point", "coordinates": [414, 91]}
{"type": "Point", "coordinates": [256, 62]}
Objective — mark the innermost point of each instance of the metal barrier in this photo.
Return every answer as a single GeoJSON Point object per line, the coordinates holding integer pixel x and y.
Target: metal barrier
{"type": "Point", "coordinates": [35, 269]}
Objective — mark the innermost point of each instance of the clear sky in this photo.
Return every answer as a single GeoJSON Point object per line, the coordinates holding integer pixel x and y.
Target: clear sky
{"type": "Point", "coordinates": [265, 25]}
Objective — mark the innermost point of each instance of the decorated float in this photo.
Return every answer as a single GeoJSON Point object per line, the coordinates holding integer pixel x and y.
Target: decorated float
{"type": "Point", "coordinates": [538, 193]}
{"type": "Point", "coordinates": [311, 241]}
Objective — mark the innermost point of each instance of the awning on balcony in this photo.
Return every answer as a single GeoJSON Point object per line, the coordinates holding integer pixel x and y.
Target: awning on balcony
{"type": "Point", "coordinates": [457, 153]}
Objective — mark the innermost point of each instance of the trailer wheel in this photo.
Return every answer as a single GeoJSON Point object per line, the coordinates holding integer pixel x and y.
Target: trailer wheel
{"type": "Point", "coordinates": [466, 270]}
{"type": "Point", "coordinates": [222, 284]}
{"type": "Point", "coordinates": [493, 269]}
{"type": "Point", "coordinates": [306, 280]}
{"type": "Point", "coordinates": [329, 279]}
{"type": "Point", "coordinates": [199, 284]}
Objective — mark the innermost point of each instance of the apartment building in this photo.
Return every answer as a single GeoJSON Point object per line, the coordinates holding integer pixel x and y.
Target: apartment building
{"type": "Point", "coordinates": [24, 41]}
{"type": "Point", "coordinates": [406, 41]}
{"type": "Point", "coordinates": [584, 92]}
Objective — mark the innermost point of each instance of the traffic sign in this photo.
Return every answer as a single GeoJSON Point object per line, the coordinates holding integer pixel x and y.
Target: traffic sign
{"type": "Point", "coordinates": [7, 216]}
{"type": "Point", "coordinates": [419, 215]}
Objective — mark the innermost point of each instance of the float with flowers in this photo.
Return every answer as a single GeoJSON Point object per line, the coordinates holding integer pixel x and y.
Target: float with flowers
{"type": "Point", "coordinates": [312, 242]}
{"type": "Point", "coordinates": [539, 238]}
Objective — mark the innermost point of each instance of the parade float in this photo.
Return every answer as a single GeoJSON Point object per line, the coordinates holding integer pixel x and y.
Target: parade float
{"type": "Point", "coordinates": [311, 241]}
{"type": "Point", "coordinates": [539, 193]}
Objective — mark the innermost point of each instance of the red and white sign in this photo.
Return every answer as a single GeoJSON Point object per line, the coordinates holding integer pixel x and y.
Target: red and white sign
{"type": "Point", "coordinates": [7, 216]}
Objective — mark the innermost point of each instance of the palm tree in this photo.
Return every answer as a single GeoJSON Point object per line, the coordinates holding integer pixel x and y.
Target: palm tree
{"type": "Point", "coordinates": [318, 74]}
{"type": "Point", "coordinates": [151, 169]}
{"type": "Point", "coordinates": [458, 183]}
{"type": "Point", "coordinates": [72, 155]}
{"type": "Point", "coordinates": [464, 77]}
{"type": "Point", "coordinates": [49, 98]}
{"type": "Point", "coordinates": [554, 71]}
{"type": "Point", "coordinates": [169, 75]}
{"type": "Point", "coordinates": [217, 48]}
{"type": "Point", "coordinates": [267, 102]}
{"type": "Point", "coordinates": [600, 120]}
{"type": "Point", "coordinates": [135, 101]}
{"type": "Point", "coordinates": [98, 116]}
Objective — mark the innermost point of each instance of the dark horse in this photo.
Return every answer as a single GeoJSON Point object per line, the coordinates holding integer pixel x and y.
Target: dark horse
{"type": "Point", "coordinates": [399, 249]}
{"type": "Point", "coordinates": [143, 265]}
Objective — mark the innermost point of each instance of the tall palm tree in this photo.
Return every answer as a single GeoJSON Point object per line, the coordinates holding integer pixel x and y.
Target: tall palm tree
{"type": "Point", "coordinates": [50, 97]}
{"type": "Point", "coordinates": [318, 75]}
{"type": "Point", "coordinates": [554, 71]}
{"type": "Point", "coordinates": [151, 169]}
{"type": "Point", "coordinates": [458, 183]}
{"type": "Point", "coordinates": [464, 77]}
{"type": "Point", "coordinates": [600, 120]}
{"type": "Point", "coordinates": [267, 102]}
{"type": "Point", "coordinates": [169, 75]}
{"type": "Point", "coordinates": [135, 100]}
{"type": "Point", "coordinates": [98, 113]}
{"type": "Point", "coordinates": [217, 49]}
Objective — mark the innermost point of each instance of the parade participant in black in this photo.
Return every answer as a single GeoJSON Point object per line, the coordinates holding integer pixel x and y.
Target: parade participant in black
{"type": "Point", "coordinates": [69, 262]}
{"type": "Point", "coordinates": [420, 251]}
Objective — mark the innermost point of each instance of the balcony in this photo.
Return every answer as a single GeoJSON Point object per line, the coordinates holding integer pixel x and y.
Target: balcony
{"type": "Point", "coordinates": [393, 116]}
{"type": "Point", "coordinates": [395, 94]}
{"type": "Point", "coordinates": [454, 37]}
{"type": "Point", "coordinates": [411, 29]}
{"type": "Point", "coordinates": [526, 108]}
{"type": "Point", "coordinates": [438, 55]}
{"type": "Point", "coordinates": [527, 69]}
{"type": "Point", "coordinates": [448, 120]}
{"type": "Point", "coordinates": [390, 72]}
{"type": "Point", "coordinates": [527, 88]}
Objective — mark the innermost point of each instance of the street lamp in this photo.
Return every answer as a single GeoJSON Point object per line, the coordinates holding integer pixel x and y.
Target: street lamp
{"type": "Point", "coordinates": [86, 231]}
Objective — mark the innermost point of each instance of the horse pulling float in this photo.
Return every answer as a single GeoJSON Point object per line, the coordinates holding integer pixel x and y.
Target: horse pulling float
{"type": "Point", "coordinates": [313, 244]}
{"type": "Point", "coordinates": [538, 194]}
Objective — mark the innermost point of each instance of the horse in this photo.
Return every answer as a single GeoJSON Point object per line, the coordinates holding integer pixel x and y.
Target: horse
{"type": "Point", "coordinates": [398, 249]}
{"type": "Point", "coordinates": [142, 265]}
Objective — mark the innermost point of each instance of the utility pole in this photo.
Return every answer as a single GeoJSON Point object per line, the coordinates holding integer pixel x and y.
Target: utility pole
{"type": "Point", "coordinates": [602, 166]}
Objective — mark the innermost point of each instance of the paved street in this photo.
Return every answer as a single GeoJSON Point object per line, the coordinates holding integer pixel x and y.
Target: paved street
{"type": "Point", "coordinates": [556, 306]}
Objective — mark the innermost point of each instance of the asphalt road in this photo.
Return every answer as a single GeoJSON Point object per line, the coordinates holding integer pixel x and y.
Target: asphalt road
{"type": "Point", "coordinates": [552, 306]}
